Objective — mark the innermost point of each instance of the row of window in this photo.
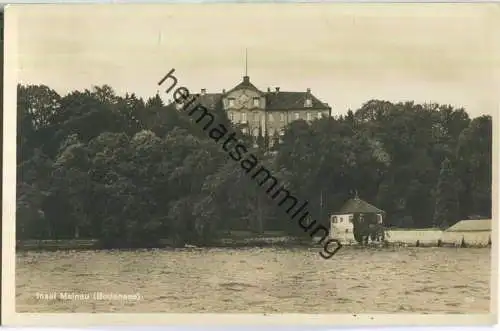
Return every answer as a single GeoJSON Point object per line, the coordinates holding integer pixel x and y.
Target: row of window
{"type": "Point", "coordinates": [243, 117]}
{"type": "Point", "coordinates": [340, 219]}
{"type": "Point", "coordinates": [256, 102]}
{"type": "Point", "coordinates": [271, 133]}
{"type": "Point", "coordinates": [311, 116]}
{"type": "Point", "coordinates": [270, 117]}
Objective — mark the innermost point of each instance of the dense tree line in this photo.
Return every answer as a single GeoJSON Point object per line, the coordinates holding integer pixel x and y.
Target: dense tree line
{"type": "Point", "coordinates": [129, 171]}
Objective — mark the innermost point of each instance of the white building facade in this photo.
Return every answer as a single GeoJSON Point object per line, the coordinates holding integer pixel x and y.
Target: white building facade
{"type": "Point", "coordinates": [342, 223]}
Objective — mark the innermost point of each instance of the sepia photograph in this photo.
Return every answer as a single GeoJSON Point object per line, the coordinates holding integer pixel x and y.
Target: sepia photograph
{"type": "Point", "coordinates": [269, 159]}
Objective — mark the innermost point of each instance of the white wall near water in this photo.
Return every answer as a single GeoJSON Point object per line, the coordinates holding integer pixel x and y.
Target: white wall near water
{"type": "Point", "coordinates": [411, 236]}
{"type": "Point", "coordinates": [470, 237]}
{"type": "Point", "coordinates": [429, 237]}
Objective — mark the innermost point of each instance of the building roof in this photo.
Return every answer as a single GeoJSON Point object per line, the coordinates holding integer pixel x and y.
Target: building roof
{"type": "Point", "coordinates": [471, 225]}
{"type": "Point", "coordinates": [275, 100]}
{"type": "Point", "coordinates": [356, 205]}
{"type": "Point", "coordinates": [291, 100]}
{"type": "Point", "coordinates": [211, 100]}
{"type": "Point", "coordinates": [208, 100]}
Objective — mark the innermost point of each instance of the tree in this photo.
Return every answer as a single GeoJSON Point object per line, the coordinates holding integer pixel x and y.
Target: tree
{"type": "Point", "coordinates": [446, 210]}
{"type": "Point", "coordinates": [474, 153]}
{"type": "Point", "coordinates": [129, 172]}
{"type": "Point", "coordinates": [71, 180]}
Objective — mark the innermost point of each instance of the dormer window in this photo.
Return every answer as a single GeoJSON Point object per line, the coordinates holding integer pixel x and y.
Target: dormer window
{"type": "Point", "coordinates": [256, 102]}
{"type": "Point", "coordinates": [308, 103]}
{"type": "Point", "coordinates": [231, 102]}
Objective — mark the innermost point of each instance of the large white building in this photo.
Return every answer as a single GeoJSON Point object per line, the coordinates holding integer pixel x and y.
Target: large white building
{"type": "Point", "coordinates": [264, 113]}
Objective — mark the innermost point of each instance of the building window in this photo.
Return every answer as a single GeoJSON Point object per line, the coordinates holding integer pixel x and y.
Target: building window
{"type": "Point", "coordinates": [256, 102]}
{"type": "Point", "coordinates": [334, 219]}
{"type": "Point", "coordinates": [320, 115]}
{"type": "Point", "coordinates": [282, 132]}
{"type": "Point", "coordinates": [255, 116]}
{"type": "Point", "coordinates": [346, 230]}
{"type": "Point", "coordinates": [282, 117]}
{"type": "Point", "coordinates": [308, 103]}
{"type": "Point", "coordinates": [309, 116]}
{"type": "Point", "coordinates": [244, 130]}
{"type": "Point", "coordinates": [231, 102]}
{"type": "Point", "coordinates": [297, 116]}
{"type": "Point", "coordinates": [255, 132]}
{"type": "Point", "coordinates": [270, 117]}
{"type": "Point", "coordinates": [351, 219]}
{"type": "Point", "coordinates": [231, 116]}
{"type": "Point", "coordinates": [244, 117]}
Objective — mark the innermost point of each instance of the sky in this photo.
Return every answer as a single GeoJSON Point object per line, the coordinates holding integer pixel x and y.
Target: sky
{"type": "Point", "coordinates": [346, 53]}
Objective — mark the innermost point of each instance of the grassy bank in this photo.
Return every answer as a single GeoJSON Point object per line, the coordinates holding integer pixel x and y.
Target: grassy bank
{"type": "Point", "coordinates": [227, 239]}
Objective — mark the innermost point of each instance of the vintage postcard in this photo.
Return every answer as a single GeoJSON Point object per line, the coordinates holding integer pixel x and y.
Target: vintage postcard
{"type": "Point", "coordinates": [297, 164]}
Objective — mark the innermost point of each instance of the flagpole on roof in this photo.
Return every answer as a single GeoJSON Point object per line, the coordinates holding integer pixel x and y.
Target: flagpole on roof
{"type": "Point", "coordinates": [246, 61]}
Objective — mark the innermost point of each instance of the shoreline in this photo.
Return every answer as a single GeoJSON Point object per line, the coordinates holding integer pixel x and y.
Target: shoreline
{"type": "Point", "coordinates": [288, 242]}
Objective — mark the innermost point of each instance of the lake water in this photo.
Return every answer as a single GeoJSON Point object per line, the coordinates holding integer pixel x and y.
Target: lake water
{"type": "Point", "coordinates": [256, 280]}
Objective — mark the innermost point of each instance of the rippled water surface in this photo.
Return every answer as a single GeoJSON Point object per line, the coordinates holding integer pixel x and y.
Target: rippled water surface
{"type": "Point", "coordinates": [425, 280]}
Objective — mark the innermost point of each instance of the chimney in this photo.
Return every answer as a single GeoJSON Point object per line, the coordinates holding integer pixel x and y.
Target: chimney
{"type": "Point", "coordinates": [246, 79]}
{"type": "Point", "coordinates": [308, 91]}
{"type": "Point", "coordinates": [277, 89]}
{"type": "Point", "coordinates": [223, 91]}
{"type": "Point", "coordinates": [203, 91]}
{"type": "Point", "coordinates": [268, 89]}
